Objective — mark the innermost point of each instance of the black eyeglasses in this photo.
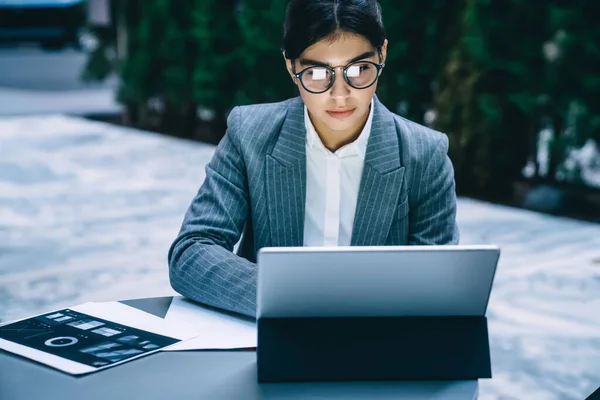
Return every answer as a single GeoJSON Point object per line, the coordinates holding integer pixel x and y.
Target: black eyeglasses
{"type": "Point", "coordinates": [359, 75]}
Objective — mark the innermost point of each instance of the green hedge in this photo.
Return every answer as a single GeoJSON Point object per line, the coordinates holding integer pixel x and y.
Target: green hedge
{"type": "Point", "coordinates": [492, 72]}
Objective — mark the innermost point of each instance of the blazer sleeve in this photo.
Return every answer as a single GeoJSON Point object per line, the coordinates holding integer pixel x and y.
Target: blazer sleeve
{"type": "Point", "coordinates": [433, 207]}
{"type": "Point", "coordinates": [202, 265]}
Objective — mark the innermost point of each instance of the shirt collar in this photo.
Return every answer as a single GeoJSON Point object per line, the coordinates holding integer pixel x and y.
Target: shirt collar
{"type": "Point", "coordinates": [359, 146]}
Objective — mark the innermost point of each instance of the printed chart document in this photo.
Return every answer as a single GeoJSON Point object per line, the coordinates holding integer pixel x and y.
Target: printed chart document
{"type": "Point", "coordinates": [88, 337]}
{"type": "Point", "coordinates": [211, 329]}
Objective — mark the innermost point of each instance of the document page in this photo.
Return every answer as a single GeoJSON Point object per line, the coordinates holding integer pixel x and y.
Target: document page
{"type": "Point", "coordinates": [211, 328]}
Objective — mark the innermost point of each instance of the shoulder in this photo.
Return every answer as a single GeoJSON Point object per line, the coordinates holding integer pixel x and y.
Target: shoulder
{"type": "Point", "coordinates": [417, 142]}
{"type": "Point", "coordinates": [420, 142]}
{"type": "Point", "coordinates": [257, 123]}
{"type": "Point", "coordinates": [420, 145]}
{"type": "Point", "coordinates": [261, 114]}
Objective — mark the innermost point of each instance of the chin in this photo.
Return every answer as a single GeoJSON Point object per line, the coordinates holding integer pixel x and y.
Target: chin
{"type": "Point", "coordinates": [337, 125]}
{"type": "Point", "coordinates": [342, 124]}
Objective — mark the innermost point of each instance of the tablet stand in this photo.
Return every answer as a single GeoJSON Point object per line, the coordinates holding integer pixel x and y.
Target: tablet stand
{"type": "Point", "coordinates": [372, 348]}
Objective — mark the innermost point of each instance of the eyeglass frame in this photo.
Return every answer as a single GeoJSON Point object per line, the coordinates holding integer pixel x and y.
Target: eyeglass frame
{"type": "Point", "coordinates": [345, 68]}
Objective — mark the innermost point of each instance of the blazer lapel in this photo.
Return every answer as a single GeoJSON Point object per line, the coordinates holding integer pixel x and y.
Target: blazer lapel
{"type": "Point", "coordinates": [285, 179]}
{"type": "Point", "coordinates": [381, 182]}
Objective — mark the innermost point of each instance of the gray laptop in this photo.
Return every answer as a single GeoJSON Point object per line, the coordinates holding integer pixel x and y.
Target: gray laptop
{"type": "Point", "coordinates": [384, 281]}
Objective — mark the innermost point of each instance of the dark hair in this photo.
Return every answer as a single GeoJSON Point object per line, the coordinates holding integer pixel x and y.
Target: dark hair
{"type": "Point", "coordinates": [309, 21]}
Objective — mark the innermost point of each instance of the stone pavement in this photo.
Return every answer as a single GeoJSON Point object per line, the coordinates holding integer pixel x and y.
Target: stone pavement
{"type": "Point", "coordinates": [88, 211]}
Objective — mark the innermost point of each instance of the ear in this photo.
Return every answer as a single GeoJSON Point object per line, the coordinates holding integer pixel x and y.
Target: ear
{"type": "Point", "coordinates": [384, 51]}
{"type": "Point", "coordinates": [383, 54]}
{"type": "Point", "coordinates": [290, 68]}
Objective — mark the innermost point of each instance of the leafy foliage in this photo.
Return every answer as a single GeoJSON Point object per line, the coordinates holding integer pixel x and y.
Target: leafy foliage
{"type": "Point", "coordinates": [494, 73]}
{"type": "Point", "coordinates": [489, 100]}
{"type": "Point", "coordinates": [420, 35]}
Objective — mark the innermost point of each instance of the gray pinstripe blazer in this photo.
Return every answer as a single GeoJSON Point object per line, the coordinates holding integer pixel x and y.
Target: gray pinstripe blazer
{"type": "Point", "coordinates": [255, 188]}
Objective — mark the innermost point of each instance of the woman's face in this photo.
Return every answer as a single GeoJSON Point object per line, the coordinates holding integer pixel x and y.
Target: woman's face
{"type": "Point", "coordinates": [342, 108]}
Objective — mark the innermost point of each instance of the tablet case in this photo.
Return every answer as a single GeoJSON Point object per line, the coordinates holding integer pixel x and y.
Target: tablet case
{"type": "Point", "coordinates": [373, 348]}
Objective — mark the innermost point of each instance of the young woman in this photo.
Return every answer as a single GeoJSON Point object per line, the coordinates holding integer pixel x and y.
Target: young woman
{"type": "Point", "coordinates": [332, 167]}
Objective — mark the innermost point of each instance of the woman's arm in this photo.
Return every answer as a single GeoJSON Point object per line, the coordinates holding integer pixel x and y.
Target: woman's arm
{"type": "Point", "coordinates": [202, 265]}
{"type": "Point", "coordinates": [433, 207]}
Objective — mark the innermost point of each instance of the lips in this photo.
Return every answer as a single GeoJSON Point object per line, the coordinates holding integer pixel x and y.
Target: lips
{"type": "Point", "coordinates": [341, 114]}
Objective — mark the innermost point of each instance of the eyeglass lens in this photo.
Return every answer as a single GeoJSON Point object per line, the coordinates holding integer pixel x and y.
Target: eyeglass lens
{"type": "Point", "coordinates": [360, 75]}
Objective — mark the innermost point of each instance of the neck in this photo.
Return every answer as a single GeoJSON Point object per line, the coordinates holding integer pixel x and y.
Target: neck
{"type": "Point", "coordinates": [335, 140]}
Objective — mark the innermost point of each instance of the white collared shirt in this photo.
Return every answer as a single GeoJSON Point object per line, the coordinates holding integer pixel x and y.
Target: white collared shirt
{"type": "Point", "coordinates": [332, 184]}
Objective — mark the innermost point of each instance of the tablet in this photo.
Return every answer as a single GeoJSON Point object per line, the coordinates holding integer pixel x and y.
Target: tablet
{"type": "Point", "coordinates": [382, 281]}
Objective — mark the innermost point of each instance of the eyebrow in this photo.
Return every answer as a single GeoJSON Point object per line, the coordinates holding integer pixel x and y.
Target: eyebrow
{"type": "Point", "coordinates": [307, 61]}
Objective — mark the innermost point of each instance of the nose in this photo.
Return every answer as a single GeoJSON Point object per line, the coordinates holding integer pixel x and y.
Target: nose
{"type": "Point", "coordinates": [340, 89]}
